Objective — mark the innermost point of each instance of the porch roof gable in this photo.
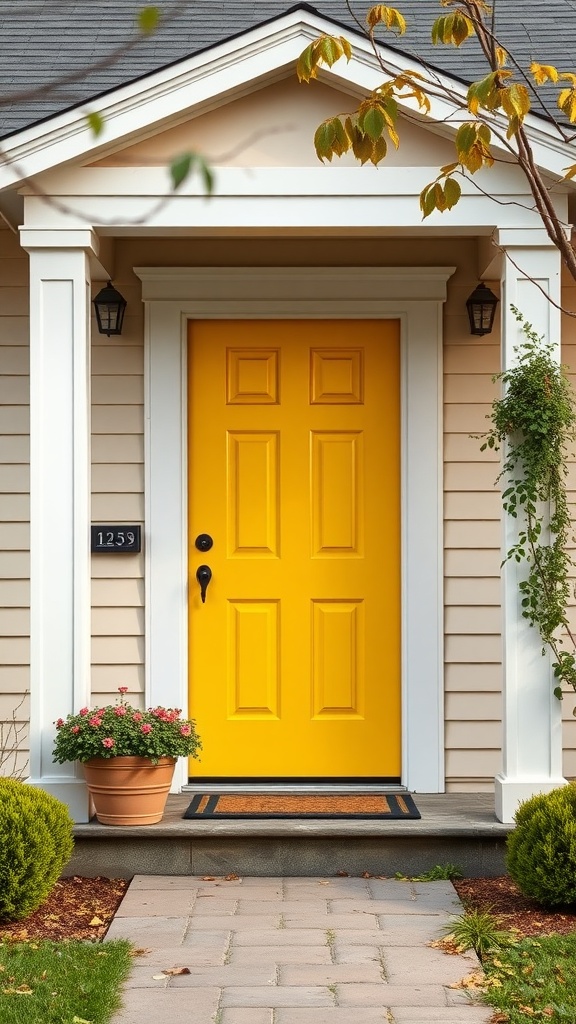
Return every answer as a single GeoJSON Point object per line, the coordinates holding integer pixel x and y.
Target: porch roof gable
{"type": "Point", "coordinates": [214, 75]}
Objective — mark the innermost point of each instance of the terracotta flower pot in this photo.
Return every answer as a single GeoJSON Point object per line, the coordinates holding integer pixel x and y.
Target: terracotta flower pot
{"type": "Point", "coordinates": [128, 790]}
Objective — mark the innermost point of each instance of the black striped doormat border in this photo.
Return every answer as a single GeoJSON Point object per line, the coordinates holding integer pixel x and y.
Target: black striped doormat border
{"type": "Point", "coordinates": [391, 806]}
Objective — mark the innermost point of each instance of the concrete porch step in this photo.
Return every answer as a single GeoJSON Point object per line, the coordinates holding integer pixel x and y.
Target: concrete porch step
{"type": "Point", "coordinates": [455, 828]}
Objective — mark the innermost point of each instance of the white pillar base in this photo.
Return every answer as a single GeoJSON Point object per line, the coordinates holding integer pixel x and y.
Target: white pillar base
{"type": "Point", "coordinates": [73, 792]}
{"type": "Point", "coordinates": [509, 792]}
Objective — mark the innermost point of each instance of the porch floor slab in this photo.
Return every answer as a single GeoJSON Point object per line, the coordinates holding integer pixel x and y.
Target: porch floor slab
{"type": "Point", "coordinates": [455, 828]}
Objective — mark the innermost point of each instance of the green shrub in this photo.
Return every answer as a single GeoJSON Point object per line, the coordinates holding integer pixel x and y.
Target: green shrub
{"type": "Point", "coordinates": [35, 844]}
{"type": "Point", "coordinates": [541, 855]}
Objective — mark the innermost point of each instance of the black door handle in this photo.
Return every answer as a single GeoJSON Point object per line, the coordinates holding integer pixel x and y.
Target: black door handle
{"type": "Point", "coordinates": [203, 575]}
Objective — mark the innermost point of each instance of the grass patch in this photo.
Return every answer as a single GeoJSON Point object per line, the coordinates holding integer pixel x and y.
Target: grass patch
{"type": "Point", "coordinates": [439, 873]}
{"type": "Point", "coordinates": [61, 982]}
{"type": "Point", "coordinates": [533, 979]}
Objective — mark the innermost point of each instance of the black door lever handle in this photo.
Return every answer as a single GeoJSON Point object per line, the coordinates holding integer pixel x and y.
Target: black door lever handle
{"type": "Point", "coordinates": [203, 575]}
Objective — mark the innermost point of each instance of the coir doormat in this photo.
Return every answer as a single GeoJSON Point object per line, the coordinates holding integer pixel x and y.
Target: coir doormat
{"type": "Point", "coordinates": [240, 805]}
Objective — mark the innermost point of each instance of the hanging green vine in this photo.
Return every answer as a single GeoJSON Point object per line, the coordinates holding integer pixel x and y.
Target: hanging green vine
{"type": "Point", "coordinates": [536, 418]}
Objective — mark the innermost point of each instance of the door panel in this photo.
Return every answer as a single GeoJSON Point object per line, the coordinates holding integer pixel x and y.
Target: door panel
{"type": "Point", "coordinates": [294, 459]}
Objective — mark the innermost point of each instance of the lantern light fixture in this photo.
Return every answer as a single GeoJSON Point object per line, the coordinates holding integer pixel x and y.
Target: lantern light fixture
{"type": "Point", "coordinates": [109, 307]}
{"type": "Point", "coordinates": [481, 306]}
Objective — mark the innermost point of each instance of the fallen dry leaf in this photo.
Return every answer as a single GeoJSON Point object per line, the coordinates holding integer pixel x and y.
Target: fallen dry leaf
{"type": "Point", "coordinates": [173, 971]}
{"type": "Point", "coordinates": [208, 878]}
{"type": "Point", "coordinates": [447, 945]}
{"type": "Point", "coordinates": [231, 877]}
{"type": "Point", "coordinates": [471, 981]}
{"type": "Point", "coordinates": [96, 921]}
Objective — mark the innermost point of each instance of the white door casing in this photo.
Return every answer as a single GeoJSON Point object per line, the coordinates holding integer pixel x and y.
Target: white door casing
{"type": "Point", "coordinates": [172, 296]}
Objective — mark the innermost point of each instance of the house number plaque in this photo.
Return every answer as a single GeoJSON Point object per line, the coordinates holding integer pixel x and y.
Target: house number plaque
{"type": "Point", "coordinates": [116, 538]}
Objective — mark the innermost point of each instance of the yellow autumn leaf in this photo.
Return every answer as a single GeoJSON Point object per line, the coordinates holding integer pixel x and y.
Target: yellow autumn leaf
{"type": "Point", "coordinates": [452, 28]}
{"type": "Point", "coordinates": [96, 921]}
{"type": "Point", "coordinates": [543, 73]}
{"type": "Point", "coordinates": [516, 101]}
{"type": "Point", "coordinates": [388, 16]}
{"type": "Point", "coordinates": [567, 103]}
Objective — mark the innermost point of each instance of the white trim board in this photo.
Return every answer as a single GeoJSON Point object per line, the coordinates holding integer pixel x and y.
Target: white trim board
{"type": "Point", "coordinates": [174, 296]}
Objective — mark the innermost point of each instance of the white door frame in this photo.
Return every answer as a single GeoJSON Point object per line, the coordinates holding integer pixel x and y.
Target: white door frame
{"type": "Point", "coordinates": [414, 296]}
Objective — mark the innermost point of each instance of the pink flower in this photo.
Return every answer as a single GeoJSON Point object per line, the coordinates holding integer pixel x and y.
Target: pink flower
{"type": "Point", "coordinates": [75, 729]}
{"type": "Point", "coordinates": [59, 723]}
{"type": "Point", "coordinates": [120, 710]}
{"type": "Point", "coordinates": [137, 717]}
{"type": "Point", "coordinates": [95, 721]}
{"type": "Point", "coordinates": [122, 689]}
{"type": "Point", "coordinates": [146, 728]}
{"type": "Point", "coordinates": [108, 742]}
{"type": "Point", "coordinates": [185, 730]}
{"type": "Point", "coordinates": [84, 711]}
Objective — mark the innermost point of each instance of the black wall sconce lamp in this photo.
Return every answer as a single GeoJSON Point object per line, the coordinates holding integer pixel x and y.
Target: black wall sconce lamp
{"type": "Point", "coordinates": [481, 306]}
{"type": "Point", "coordinates": [109, 307]}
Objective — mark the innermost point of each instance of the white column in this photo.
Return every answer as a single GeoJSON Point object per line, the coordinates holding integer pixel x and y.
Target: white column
{"type": "Point", "coordinates": [532, 727]}
{"type": "Point", "coordinates": [59, 499]}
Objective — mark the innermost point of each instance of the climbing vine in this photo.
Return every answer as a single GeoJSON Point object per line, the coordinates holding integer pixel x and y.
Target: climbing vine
{"type": "Point", "coordinates": [535, 422]}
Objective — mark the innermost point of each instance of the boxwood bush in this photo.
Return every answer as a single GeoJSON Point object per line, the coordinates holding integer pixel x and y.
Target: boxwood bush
{"type": "Point", "coordinates": [35, 844]}
{"type": "Point", "coordinates": [541, 852]}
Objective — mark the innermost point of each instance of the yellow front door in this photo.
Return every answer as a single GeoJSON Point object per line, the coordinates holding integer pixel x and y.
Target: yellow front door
{"type": "Point", "coordinates": [294, 470]}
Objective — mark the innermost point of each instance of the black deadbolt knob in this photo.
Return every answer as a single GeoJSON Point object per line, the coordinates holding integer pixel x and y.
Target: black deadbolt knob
{"type": "Point", "coordinates": [204, 542]}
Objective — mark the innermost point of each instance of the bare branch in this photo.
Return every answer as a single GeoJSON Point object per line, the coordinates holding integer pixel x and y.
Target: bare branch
{"type": "Point", "coordinates": [12, 732]}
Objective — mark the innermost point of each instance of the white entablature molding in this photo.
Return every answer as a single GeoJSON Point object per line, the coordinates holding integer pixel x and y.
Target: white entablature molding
{"type": "Point", "coordinates": [277, 201]}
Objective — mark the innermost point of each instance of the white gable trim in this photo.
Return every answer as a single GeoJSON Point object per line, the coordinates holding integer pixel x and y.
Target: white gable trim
{"type": "Point", "coordinates": [412, 295]}
{"type": "Point", "coordinates": [230, 69]}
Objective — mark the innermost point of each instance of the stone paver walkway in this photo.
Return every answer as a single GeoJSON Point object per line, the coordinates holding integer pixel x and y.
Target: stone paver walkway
{"type": "Point", "coordinates": [292, 951]}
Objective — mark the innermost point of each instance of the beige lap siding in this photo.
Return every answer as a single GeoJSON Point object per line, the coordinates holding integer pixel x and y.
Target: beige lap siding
{"type": "Point", "coordinates": [118, 497]}
{"type": "Point", "coordinates": [472, 588]}
{"type": "Point", "coordinates": [14, 497]}
{"type": "Point", "coordinates": [472, 534]}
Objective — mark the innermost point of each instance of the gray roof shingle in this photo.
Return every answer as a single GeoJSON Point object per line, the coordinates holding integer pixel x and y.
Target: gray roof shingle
{"type": "Point", "coordinates": [43, 39]}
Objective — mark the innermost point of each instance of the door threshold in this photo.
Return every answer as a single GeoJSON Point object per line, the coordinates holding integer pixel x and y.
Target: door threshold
{"type": "Point", "coordinates": [321, 788]}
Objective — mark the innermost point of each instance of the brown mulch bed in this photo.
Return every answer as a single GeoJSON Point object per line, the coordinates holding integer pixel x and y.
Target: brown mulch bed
{"type": "Point", "coordinates": [502, 898]}
{"type": "Point", "coordinates": [82, 908]}
{"type": "Point", "coordinates": [78, 908]}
